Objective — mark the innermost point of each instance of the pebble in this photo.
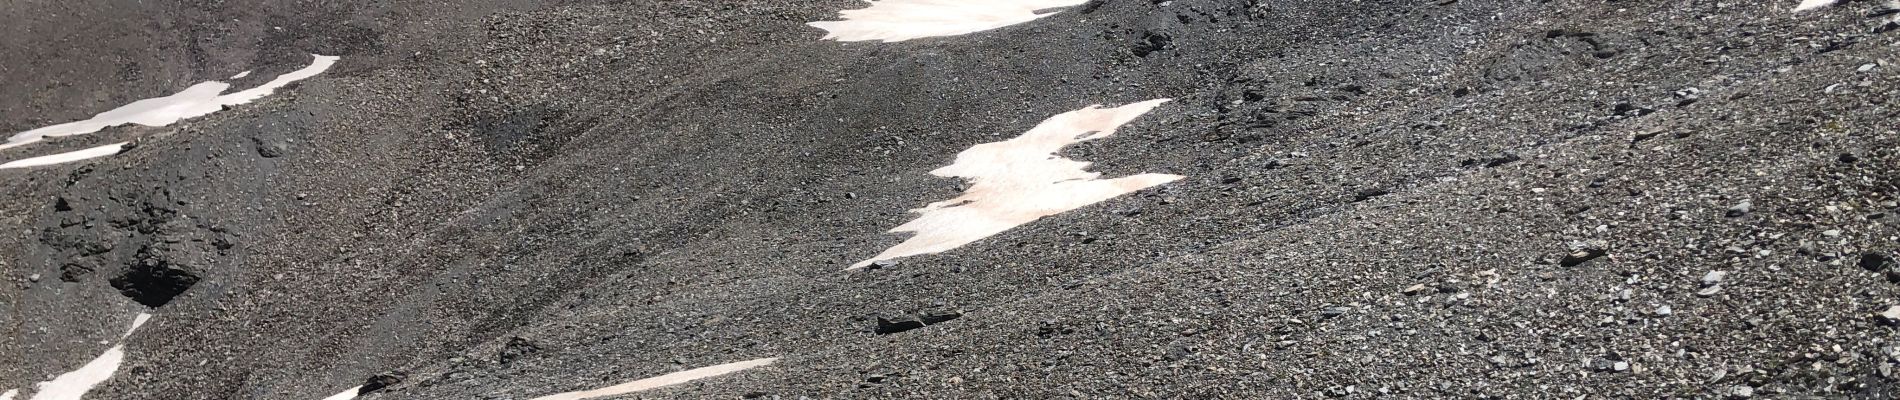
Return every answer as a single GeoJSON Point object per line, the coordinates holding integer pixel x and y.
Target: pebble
{"type": "Point", "coordinates": [1415, 289]}
{"type": "Point", "coordinates": [1741, 209]}
{"type": "Point", "coordinates": [1713, 278]}
{"type": "Point", "coordinates": [1709, 291]}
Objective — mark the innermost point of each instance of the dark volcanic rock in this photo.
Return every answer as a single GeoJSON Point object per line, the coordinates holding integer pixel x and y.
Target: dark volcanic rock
{"type": "Point", "coordinates": [381, 381]}
{"type": "Point", "coordinates": [898, 325]}
{"type": "Point", "coordinates": [1876, 262]}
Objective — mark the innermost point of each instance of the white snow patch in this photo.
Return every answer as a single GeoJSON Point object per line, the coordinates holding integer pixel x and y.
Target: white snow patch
{"type": "Point", "coordinates": [1020, 180]}
{"type": "Point", "coordinates": [66, 157]}
{"type": "Point", "coordinates": [137, 322]}
{"type": "Point", "coordinates": [1813, 4]}
{"type": "Point", "coordinates": [662, 380]}
{"type": "Point", "coordinates": [900, 20]}
{"type": "Point", "coordinates": [194, 101]}
{"type": "Point", "coordinates": [8, 395]}
{"type": "Point", "coordinates": [241, 75]}
{"type": "Point", "coordinates": [74, 385]}
{"type": "Point", "coordinates": [345, 395]}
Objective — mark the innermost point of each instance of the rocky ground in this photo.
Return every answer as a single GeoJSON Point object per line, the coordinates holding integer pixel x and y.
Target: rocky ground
{"type": "Point", "coordinates": [1385, 199]}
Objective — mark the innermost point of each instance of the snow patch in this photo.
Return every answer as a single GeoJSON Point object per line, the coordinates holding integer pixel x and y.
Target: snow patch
{"type": "Point", "coordinates": [662, 380]}
{"type": "Point", "coordinates": [900, 20]}
{"type": "Point", "coordinates": [74, 385]}
{"type": "Point", "coordinates": [1813, 4]}
{"type": "Point", "coordinates": [66, 157]}
{"type": "Point", "coordinates": [195, 101]}
{"type": "Point", "coordinates": [1020, 180]}
{"type": "Point", "coordinates": [8, 395]}
{"type": "Point", "coordinates": [345, 395]}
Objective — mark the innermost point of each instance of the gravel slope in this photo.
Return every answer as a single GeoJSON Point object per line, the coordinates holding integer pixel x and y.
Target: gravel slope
{"type": "Point", "coordinates": [1444, 199]}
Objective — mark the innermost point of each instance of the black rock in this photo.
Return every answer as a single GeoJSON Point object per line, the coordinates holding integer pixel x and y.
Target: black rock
{"type": "Point", "coordinates": [1368, 194]}
{"type": "Point", "coordinates": [1875, 262]}
{"type": "Point", "coordinates": [940, 317]}
{"type": "Point", "coordinates": [901, 324]}
{"type": "Point", "coordinates": [880, 264]}
{"type": "Point", "coordinates": [1151, 42]}
{"type": "Point", "coordinates": [1580, 257]}
{"type": "Point", "coordinates": [74, 272]}
{"type": "Point", "coordinates": [380, 382]}
{"type": "Point", "coordinates": [271, 148]}
{"type": "Point", "coordinates": [1631, 110]}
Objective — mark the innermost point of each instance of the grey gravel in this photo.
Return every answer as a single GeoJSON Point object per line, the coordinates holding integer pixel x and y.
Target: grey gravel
{"type": "Point", "coordinates": [1393, 199]}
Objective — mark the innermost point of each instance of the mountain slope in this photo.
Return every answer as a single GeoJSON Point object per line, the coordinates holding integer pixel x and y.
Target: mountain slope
{"type": "Point", "coordinates": [1411, 199]}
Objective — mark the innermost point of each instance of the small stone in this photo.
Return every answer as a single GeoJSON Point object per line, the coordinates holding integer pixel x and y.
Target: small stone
{"type": "Point", "coordinates": [1867, 67]}
{"type": "Point", "coordinates": [933, 318]}
{"type": "Point", "coordinates": [270, 147]}
{"type": "Point", "coordinates": [1630, 110]}
{"type": "Point", "coordinates": [1741, 392]}
{"type": "Point", "coordinates": [1620, 366]}
{"type": "Point", "coordinates": [33, 278]}
{"type": "Point", "coordinates": [1740, 209]}
{"type": "Point", "coordinates": [1330, 312]}
{"type": "Point", "coordinates": [1709, 291]}
{"type": "Point", "coordinates": [1583, 251]}
{"type": "Point", "coordinates": [1713, 278]}
{"type": "Point", "coordinates": [1664, 310]}
{"type": "Point", "coordinates": [1415, 289]}
{"type": "Point", "coordinates": [1831, 233]}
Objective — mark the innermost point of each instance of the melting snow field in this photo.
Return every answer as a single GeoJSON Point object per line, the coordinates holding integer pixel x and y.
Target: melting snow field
{"type": "Point", "coordinates": [74, 385]}
{"type": "Point", "coordinates": [662, 380]}
{"type": "Point", "coordinates": [900, 20]}
{"type": "Point", "coordinates": [1813, 4]}
{"type": "Point", "coordinates": [1020, 180]}
{"type": "Point", "coordinates": [195, 101]}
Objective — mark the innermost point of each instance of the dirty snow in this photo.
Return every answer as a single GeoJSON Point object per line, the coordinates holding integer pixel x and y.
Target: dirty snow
{"type": "Point", "coordinates": [195, 101]}
{"type": "Point", "coordinates": [1020, 180]}
{"type": "Point", "coordinates": [66, 157]}
{"type": "Point", "coordinates": [1813, 4]}
{"type": "Point", "coordinates": [662, 380]}
{"type": "Point", "coordinates": [900, 20]}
